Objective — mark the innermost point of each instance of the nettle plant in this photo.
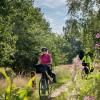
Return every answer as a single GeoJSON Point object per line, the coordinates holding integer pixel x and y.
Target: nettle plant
{"type": "Point", "coordinates": [12, 92]}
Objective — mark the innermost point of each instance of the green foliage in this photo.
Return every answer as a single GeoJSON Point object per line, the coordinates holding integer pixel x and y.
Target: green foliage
{"type": "Point", "coordinates": [82, 25]}
{"type": "Point", "coordinates": [12, 92]}
{"type": "Point", "coordinates": [97, 86]}
{"type": "Point", "coordinates": [7, 48]}
{"type": "Point", "coordinates": [23, 31]}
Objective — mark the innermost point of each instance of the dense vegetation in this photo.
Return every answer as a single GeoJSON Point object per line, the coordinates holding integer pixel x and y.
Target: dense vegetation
{"type": "Point", "coordinates": [14, 87]}
{"type": "Point", "coordinates": [82, 25]}
{"type": "Point", "coordinates": [24, 30]}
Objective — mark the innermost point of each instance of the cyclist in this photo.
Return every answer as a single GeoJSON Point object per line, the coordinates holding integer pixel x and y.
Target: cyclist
{"type": "Point", "coordinates": [45, 57]}
{"type": "Point", "coordinates": [45, 63]}
{"type": "Point", "coordinates": [87, 63]}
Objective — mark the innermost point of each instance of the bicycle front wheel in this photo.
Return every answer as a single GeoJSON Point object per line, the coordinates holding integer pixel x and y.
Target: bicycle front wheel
{"type": "Point", "coordinates": [43, 88]}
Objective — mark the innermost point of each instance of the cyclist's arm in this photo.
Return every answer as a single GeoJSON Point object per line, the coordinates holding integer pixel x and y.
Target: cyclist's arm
{"type": "Point", "coordinates": [50, 61]}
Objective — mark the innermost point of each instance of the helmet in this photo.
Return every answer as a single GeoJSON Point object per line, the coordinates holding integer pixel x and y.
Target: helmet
{"type": "Point", "coordinates": [44, 49]}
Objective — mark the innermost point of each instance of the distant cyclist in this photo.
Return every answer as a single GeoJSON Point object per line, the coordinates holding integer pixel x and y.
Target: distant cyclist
{"type": "Point", "coordinates": [87, 62]}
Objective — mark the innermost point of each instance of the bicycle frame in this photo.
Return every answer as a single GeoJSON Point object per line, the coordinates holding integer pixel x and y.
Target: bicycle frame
{"type": "Point", "coordinates": [85, 72]}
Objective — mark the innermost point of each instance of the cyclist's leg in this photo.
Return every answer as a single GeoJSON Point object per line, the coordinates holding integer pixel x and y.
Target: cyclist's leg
{"type": "Point", "coordinates": [48, 73]}
{"type": "Point", "coordinates": [91, 68]}
{"type": "Point", "coordinates": [86, 69]}
{"type": "Point", "coordinates": [52, 74]}
{"type": "Point", "coordinates": [54, 77]}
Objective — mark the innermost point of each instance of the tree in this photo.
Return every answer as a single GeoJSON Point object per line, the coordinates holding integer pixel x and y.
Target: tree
{"type": "Point", "coordinates": [82, 24]}
{"type": "Point", "coordinates": [7, 38]}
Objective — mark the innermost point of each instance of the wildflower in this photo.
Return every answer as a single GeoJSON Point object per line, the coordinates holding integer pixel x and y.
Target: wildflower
{"type": "Point", "coordinates": [97, 45]}
{"type": "Point", "coordinates": [98, 35]}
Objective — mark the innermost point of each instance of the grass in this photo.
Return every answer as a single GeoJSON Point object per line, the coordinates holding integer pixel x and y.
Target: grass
{"type": "Point", "coordinates": [82, 87]}
{"type": "Point", "coordinates": [62, 77]}
{"type": "Point", "coordinates": [63, 96]}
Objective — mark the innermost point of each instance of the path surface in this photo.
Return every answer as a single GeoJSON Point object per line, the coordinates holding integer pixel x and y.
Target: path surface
{"type": "Point", "coordinates": [60, 90]}
{"type": "Point", "coordinates": [72, 69]}
{"type": "Point", "coordinates": [63, 88]}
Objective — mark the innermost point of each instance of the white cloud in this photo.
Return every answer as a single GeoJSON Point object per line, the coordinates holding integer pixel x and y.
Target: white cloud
{"type": "Point", "coordinates": [49, 18]}
{"type": "Point", "coordinates": [58, 13]}
{"type": "Point", "coordinates": [51, 3]}
{"type": "Point", "coordinates": [54, 24]}
{"type": "Point", "coordinates": [57, 28]}
{"type": "Point", "coordinates": [65, 18]}
{"type": "Point", "coordinates": [54, 12]}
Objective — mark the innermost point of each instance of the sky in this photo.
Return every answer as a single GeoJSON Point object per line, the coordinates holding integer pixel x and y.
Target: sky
{"type": "Point", "coordinates": [54, 12]}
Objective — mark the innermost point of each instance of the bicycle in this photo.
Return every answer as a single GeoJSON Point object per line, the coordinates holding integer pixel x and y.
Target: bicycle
{"type": "Point", "coordinates": [84, 75]}
{"type": "Point", "coordinates": [86, 71]}
{"type": "Point", "coordinates": [44, 86]}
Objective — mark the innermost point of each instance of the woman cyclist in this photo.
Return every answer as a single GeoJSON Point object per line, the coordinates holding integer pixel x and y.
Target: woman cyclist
{"type": "Point", "coordinates": [45, 63]}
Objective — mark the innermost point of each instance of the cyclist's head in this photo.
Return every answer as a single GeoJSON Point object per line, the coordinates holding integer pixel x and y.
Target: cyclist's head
{"type": "Point", "coordinates": [44, 49]}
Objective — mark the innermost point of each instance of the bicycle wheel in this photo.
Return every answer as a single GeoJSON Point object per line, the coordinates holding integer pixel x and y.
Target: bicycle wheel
{"type": "Point", "coordinates": [83, 74]}
{"type": "Point", "coordinates": [43, 88]}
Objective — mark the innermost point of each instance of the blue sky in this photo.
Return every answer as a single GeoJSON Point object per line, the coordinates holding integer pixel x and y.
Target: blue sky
{"type": "Point", "coordinates": [54, 12]}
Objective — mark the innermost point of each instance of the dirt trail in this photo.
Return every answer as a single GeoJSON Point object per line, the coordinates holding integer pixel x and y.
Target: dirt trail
{"type": "Point", "coordinates": [63, 88]}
